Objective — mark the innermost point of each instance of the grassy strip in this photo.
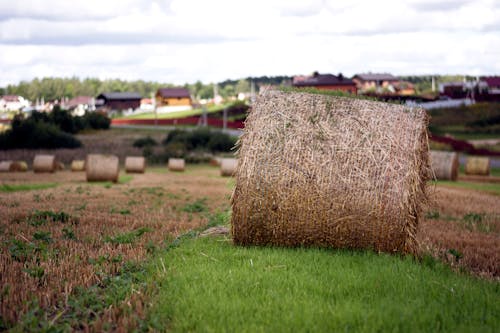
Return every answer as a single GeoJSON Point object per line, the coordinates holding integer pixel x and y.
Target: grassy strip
{"type": "Point", "coordinates": [122, 179]}
{"type": "Point", "coordinates": [484, 187]}
{"type": "Point", "coordinates": [177, 114]}
{"type": "Point", "coordinates": [8, 188]}
{"type": "Point", "coordinates": [211, 285]}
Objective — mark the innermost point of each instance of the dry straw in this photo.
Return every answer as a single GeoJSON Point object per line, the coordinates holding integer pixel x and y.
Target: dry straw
{"type": "Point", "coordinates": [228, 167]}
{"type": "Point", "coordinates": [60, 166]}
{"type": "Point", "coordinates": [317, 170]}
{"type": "Point", "coordinates": [135, 164]}
{"type": "Point", "coordinates": [44, 163]}
{"type": "Point", "coordinates": [444, 165]}
{"type": "Point", "coordinates": [176, 164]}
{"type": "Point", "coordinates": [479, 166]}
{"type": "Point", "coordinates": [5, 166]}
{"type": "Point", "coordinates": [102, 168]}
{"type": "Point", "coordinates": [78, 165]}
{"type": "Point", "coordinates": [19, 166]}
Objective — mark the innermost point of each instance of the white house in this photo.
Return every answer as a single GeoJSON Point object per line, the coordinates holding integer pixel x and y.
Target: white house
{"type": "Point", "coordinates": [13, 103]}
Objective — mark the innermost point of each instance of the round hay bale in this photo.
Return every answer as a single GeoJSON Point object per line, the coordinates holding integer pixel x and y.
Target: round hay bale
{"type": "Point", "coordinates": [176, 164]}
{"type": "Point", "coordinates": [19, 166]}
{"type": "Point", "coordinates": [215, 161]}
{"type": "Point", "coordinates": [78, 165]}
{"type": "Point", "coordinates": [101, 168]}
{"type": "Point", "coordinates": [444, 165]}
{"type": "Point", "coordinates": [479, 166]}
{"type": "Point", "coordinates": [44, 163]}
{"type": "Point", "coordinates": [135, 164]}
{"type": "Point", "coordinates": [320, 170]}
{"type": "Point", "coordinates": [228, 167]}
{"type": "Point", "coordinates": [5, 166]}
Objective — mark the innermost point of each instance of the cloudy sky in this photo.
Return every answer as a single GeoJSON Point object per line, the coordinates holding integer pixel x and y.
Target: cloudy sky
{"type": "Point", "coordinates": [182, 41]}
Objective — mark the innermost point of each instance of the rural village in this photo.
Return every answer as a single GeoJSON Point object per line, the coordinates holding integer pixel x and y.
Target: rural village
{"type": "Point", "coordinates": [309, 202]}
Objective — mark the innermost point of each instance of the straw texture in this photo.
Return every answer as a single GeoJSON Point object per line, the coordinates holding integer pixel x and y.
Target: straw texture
{"type": "Point", "coordinates": [176, 164]}
{"type": "Point", "coordinates": [330, 171]}
{"type": "Point", "coordinates": [5, 166]}
{"type": "Point", "coordinates": [228, 167]}
{"type": "Point", "coordinates": [102, 168]}
{"type": "Point", "coordinates": [479, 166]}
{"type": "Point", "coordinates": [77, 165]}
{"type": "Point", "coordinates": [135, 164]}
{"type": "Point", "coordinates": [44, 163]}
{"type": "Point", "coordinates": [444, 165]}
{"type": "Point", "coordinates": [19, 166]}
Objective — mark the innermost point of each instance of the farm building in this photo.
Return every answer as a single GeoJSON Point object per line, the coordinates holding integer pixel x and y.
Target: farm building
{"type": "Point", "coordinates": [380, 82]}
{"type": "Point", "coordinates": [80, 104]}
{"type": "Point", "coordinates": [117, 101]}
{"type": "Point", "coordinates": [13, 103]}
{"type": "Point", "coordinates": [173, 99]}
{"type": "Point", "coordinates": [325, 82]}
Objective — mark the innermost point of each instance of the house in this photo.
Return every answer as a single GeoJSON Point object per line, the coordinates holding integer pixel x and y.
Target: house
{"type": "Point", "coordinates": [455, 90]}
{"type": "Point", "coordinates": [118, 101]}
{"type": "Point", "coordinates": [492, 83]}
{"type": "Point", "coordinates": [173, 99]}
{"type": "Point", "coordinates": [366, 82]}
{"type": "Point", "coordinates": [325, 82]}
{"type": "Point", "coordinates": [13, 103]}
{"type": "Point", "coordinates": [80, 104]}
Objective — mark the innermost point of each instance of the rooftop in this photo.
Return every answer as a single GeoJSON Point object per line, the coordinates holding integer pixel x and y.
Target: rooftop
{"type": "Point", "coordinates": [173, 92]}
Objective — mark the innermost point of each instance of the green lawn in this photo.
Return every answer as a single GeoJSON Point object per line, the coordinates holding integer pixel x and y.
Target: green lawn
{"type": "Point", "coordinates": [492, 188]}
{"type": "Point", "coordinates": [209, 285]}
{"type": "Point", "coordinates": [25, 187]}
{"type": "Point", "coordinates": [178, 114]}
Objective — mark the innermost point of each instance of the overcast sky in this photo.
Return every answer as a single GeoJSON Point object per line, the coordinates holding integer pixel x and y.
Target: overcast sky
{"type": "Point", "coordinates": [182, 41]}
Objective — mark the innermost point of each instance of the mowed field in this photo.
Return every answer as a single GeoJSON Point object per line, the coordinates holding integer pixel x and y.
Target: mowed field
{"type": "Point", "coordinates": [61, 238]}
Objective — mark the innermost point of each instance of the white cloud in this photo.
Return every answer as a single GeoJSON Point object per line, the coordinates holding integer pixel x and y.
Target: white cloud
{"type": "Point", "coordinates": [186, 40]}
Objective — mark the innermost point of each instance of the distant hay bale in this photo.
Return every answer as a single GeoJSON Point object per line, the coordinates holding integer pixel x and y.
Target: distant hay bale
{"type": "Point", "coordinates": [176, 164]}
{"type": "Point", "coordinates": [479, 166]}
{"type": "Point", "coordinates": [44, 163]}
{"type": "Point", "coordinates": [19, 166]}
{"type": "Point", "coordinates": [78, 165]}
{"type": "Point", "coordinates": [5, 166]}
{"type": "Point", "coordinates": [444, 164]}
{"type": "Point", "coordinates": [228, 167]}
{"type": "Point", "coordinates": [102, 168]}
{"type": "Point", "coordinates": [135, 164]}
{"type": "Point", "coordinates": [215, 161]}
{"type": "Point", "coordinates": [318, 170]}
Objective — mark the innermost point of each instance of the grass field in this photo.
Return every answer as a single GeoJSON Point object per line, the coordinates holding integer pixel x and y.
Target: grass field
{"type": "Point", "coordinates": [176, 114]}
{"type": "Point", "coordinates": [127, 256]}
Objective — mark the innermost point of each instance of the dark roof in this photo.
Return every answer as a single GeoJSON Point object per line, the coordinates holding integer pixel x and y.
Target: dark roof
{"type": "Point", "coordinates": [492, 81]}
{"type": "Point", "coordinates": [321, 80]}
{"type": "Point", "coordinates": [75, 101]}
{"type": "Point", "coordinates": [173, 92]}
{"type": "Point", "coordinates": [376, 77]}
{"type": "Point", "coordinates": [119, 95]}
{"type": "Point", "coordinates": [10, 98]}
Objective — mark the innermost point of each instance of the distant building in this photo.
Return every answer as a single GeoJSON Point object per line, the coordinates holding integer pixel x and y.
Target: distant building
{"type": "Point", "coordinates": [80, 104]}
{"type": "Point", "coordinates": [173, 99]}
{"type": "Point", "coordinates": [118, 101]}
{"type": "Point", "coordinates": [13, 103]}
{"type": "Point", "coordinates": [455, 90]}
{"type": "Point", "coordinates": [492, 84]}
{"type": "Point", "coordinates": [325, 82]}
{"type": "Point", "coordinates": [374, 81]}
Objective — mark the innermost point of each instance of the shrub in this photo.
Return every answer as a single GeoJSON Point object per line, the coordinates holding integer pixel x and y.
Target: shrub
{"type": "Point", "coordinates": [201, 139]}
{"type": "Point", "coordinates": [97, 120]}
{"type": "Point", "coordinates": [220, 142]}
{"type": "Point", "coordinates": [144, 142]}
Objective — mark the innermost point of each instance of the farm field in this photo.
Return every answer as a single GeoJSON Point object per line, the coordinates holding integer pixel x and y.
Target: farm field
{"type": "Point", "coordinates": [105, 256]}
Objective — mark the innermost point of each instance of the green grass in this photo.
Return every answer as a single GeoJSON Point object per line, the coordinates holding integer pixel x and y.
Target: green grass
{"type": "Point", "coordinates": [210, 285]}
{"type": "Point", "coordinates": [491, 188]}
{"type": "Point", "coordinates": [25, 187]}
{"type": "Point", "coordinates": [177, 114]}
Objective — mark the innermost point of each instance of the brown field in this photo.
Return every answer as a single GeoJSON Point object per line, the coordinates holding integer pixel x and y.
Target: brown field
{"type": "Point", "coordinates": [156, 203]}
{"type": "Point", "coordinates": [462, 227]}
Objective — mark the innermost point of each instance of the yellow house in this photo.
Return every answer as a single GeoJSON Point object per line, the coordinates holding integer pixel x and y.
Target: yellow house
{"type": "Point", "coordinates": [170, 99]}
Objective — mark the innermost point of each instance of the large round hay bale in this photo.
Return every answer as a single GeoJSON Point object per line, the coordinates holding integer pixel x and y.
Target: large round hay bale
{"type": "Point", "coordinates": [19, 166]}
{"type": "Point", "coordinates": [102, 168]}
{"type": "Point", "coordinates": [44, 163]}
{"type": "Point", "coordinates": [77, 165]}
{"type": "Point", "coordinates": [479, 166]}
{"type": "Point", "coordinates": [176, 164]}
{"type": "Point", "coordinates": [444, 165]}
{"type": "Point", "coordinates": [228, 167]}
{"type": "Point", "coordinates": [5, 166]}
{"type": "Point", "coordinates": [321, 170]}
{"type": "Point", "coordinates": [135, 164]}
